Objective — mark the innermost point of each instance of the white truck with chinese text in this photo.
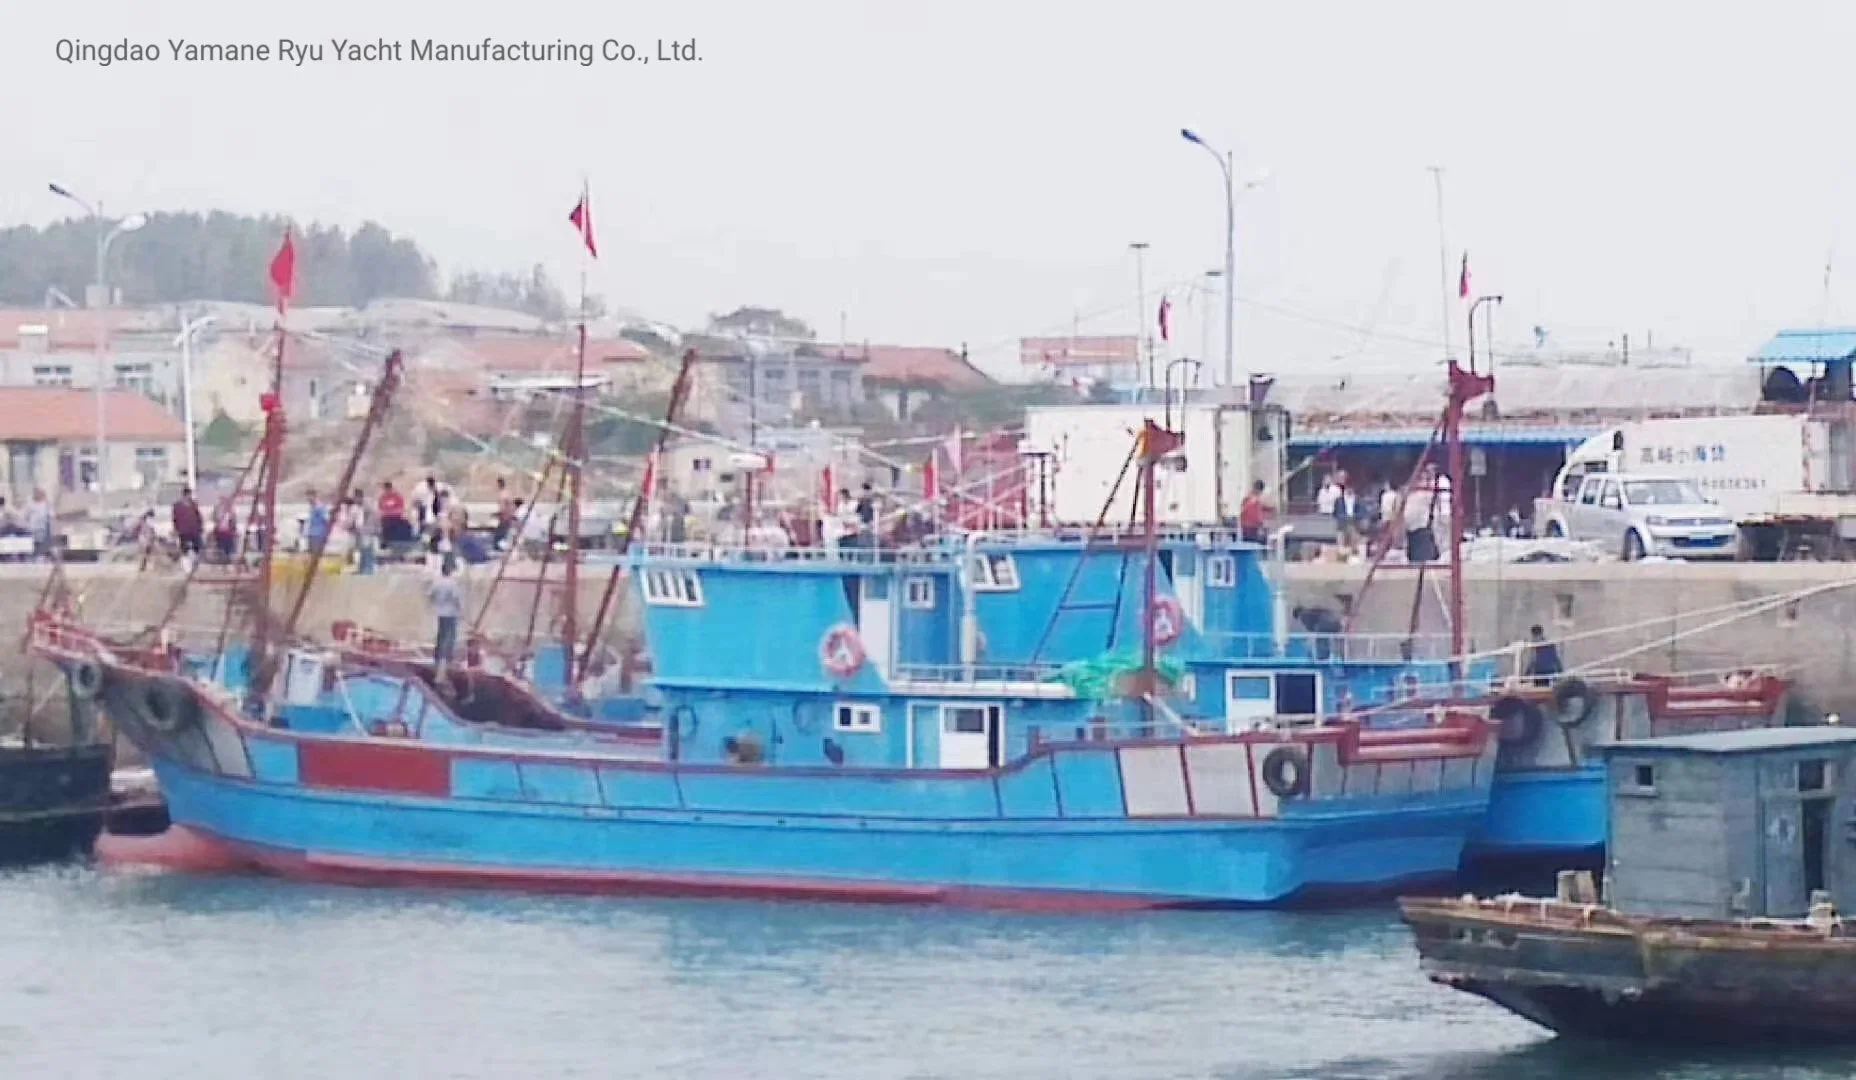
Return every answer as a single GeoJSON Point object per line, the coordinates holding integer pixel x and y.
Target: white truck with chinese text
{"type": "Point", "coordinates": [1756, 486]}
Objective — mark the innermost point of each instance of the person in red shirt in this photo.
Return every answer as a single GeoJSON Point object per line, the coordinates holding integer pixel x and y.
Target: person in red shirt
{"type": "Point", "coordinates": [1252, 514]}
{"type": "Point", "coordinates": [394, 528]}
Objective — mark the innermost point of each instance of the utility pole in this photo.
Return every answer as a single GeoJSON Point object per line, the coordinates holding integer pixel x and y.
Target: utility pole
{"type": "Point", "coordinates": [1443, 256]}
{"type": "Point", "coordinates": [1143, 344]}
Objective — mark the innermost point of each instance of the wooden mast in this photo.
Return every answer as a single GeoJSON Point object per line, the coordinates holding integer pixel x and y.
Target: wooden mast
{"type": "Point", "coordinates": [679, 390]}
{"type": "Point", "coordinates": [575, 453]}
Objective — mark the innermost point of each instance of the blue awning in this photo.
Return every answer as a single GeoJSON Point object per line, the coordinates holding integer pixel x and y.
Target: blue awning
{"type": "Point", "coordinates": [1473, 435]}
{"type": "Point", "coordinates": [1808, 347]}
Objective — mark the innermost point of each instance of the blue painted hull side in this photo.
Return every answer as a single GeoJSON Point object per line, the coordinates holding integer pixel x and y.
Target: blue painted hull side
{"type": "Point", "coordinates": [1366, 846]}
{"type": "Point", "coordinates": [1544, 812]}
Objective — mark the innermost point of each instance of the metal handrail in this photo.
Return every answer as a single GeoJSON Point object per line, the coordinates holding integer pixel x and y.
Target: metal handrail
{"type": "Point", "coordinates": [948, 673]}
{"type": "Point", "coordinates": [1390, 647]}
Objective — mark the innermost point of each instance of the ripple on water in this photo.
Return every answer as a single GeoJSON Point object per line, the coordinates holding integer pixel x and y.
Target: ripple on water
{"type": "Point", "coordinates": [123, 975]}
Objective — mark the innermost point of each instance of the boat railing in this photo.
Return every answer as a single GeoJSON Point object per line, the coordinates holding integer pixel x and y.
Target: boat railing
{"type": "Point", "coordinates": [843, 554]}
{"type": "Point", "coordinates": [1350, 648]}
{"type": "Point", "coordinates": [953, 673]}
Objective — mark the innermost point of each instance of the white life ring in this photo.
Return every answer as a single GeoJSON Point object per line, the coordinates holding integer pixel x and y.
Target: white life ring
{"type": "Point", "coordinates": [842, 651]}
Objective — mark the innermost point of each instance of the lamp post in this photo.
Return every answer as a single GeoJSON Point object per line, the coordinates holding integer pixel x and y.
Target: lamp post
{"type": "Point", "coordinates": [1143, 348]}
{"type": "Point", "coordinates": [185, 341]}
{"type": "Point", "coordinates": [1230, 247]}
{"type": "Point", "coordinates": [1196, 367]}
{"type": "Point", "coordinates": [1479, 301]}
{"type": "Point", "coordinates": [104, 240]}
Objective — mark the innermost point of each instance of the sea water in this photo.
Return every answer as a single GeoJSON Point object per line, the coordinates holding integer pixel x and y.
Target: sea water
{"type": "Point", "coordinates": [121, 974]}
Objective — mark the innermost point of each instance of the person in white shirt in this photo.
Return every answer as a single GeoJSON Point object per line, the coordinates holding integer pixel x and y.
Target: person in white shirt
{"type": "Point", "coordinates": [1421, 520]}
{"type": "Point", "coordinates": [1328, 495]}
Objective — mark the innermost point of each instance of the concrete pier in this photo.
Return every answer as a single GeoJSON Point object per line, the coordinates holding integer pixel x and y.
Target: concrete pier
{"type": "Point", "coordinates": [1680, 616]}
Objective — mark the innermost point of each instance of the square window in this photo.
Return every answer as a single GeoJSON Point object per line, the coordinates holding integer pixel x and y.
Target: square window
{"type": "Point", "coordinates": [993, 573]}
{"type": "Point", "coordinates": [918, 593]}
{"type": "Point", "coordinates": [1644, 777]}
{"type": "Point", "coordinates": [1221, 572]}
{"type": "Point", "coordinates": [1813, 776]}
{"type": "Point", "coordinates": [672, 588]}
{"type": "Point", "coordinates": [862, 719]}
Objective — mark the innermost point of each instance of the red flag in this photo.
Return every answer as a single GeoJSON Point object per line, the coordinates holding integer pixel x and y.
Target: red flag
{"type": "Point", "coordinates": [283, 272]}
{"type": "Point", "coordinates": [648, 487]}
{"type": "Point", "coordinates": [582, 217]}
{"type": "Point", "coordinates": [954, 455]}
{"type": "Point", "coordinates": [1462, 279]}
{"type": "Point", "coordinates": [1166, 319]}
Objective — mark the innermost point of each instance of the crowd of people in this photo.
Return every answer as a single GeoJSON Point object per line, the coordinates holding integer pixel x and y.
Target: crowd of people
{"type": "Point", "coordinates": [354, 527]}
{"type": "Point", "coordinates": [1380, 517]}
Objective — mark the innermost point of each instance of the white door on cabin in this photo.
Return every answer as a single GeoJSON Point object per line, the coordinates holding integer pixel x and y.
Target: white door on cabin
{"type": "Point", "coordinates": [969, 736]}
{"type": "Point", "coordinates": [1248, 699]}
{"type": "Point", "coordinates": [876, 624]}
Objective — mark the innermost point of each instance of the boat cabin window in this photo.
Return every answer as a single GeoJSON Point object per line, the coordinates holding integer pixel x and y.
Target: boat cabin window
{"type": "Point", "coordinates": [865, 719]}
{"type": "Point", "coordinates": [1298, 694]}
{"type": "Point", "coordinates": [918, 592]}
{"type": "Point", "coordinates": [674, 588]}
{"type": "Point", "coordinates": [1221, 571]}
{"type": "Point", "coordinates": [1813, 776]}
{"type": "Point", "coordinates": [1643, 779]}
{"type": "Point", "coordinates": [993, 573]}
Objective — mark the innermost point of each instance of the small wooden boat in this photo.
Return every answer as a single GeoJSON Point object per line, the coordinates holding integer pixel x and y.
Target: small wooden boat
{"type": "Point", "coordinates": [53, 799]}
{"type": "Point", "coordinates": [1727, 857]}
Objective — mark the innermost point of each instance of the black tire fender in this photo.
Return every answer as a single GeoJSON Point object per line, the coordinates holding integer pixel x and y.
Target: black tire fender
{"type": "Point", "coordinates": [86, 678]}
{"type": "Point", "coordinates": [167, 706]}
{"type": "Point", "coordinates": [1574, 701]}
{"type": "Point", "coordinates": [1520, 720]}
{"type": "Point", "coordinates": [1285, 772]}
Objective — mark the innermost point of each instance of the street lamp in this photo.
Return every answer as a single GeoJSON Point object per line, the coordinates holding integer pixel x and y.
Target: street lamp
{"type": "Point", "coordinates": [1479, 301]}
{"type": "Point", "coordinates": [185, 341]}
{"type": "Point", "coordinates": [1230, 247]}
{"type": "Point", "coordinates": [1196, 368]}
{"type": "Point", "coordinates": [104, 240]}
{"type": "Point", "coordinates": [1142, 343]}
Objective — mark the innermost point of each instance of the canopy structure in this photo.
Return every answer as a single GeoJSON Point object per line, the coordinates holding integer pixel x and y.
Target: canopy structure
{"type": "Point", "coordinates": [1534, 405]}
{"type": "Point", "coordinates": [1818, 346]}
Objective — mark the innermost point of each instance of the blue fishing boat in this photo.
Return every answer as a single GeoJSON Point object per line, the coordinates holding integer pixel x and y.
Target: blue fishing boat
{"type": "Point", "coordinates": [833, 726]}
{"type": "Point", "coordinates": [1549, 804]}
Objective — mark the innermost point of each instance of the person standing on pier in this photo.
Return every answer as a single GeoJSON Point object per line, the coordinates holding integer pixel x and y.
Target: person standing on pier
{"type": "Point", "coordinates": [447, 597]}
{"type": "Point", "coordinates": [39, 523]}
{"type": "Point", "coordinates": [1253, 513]}
{"type": "Point", "coordinates": [316, 522]}
{"type": "Point", "coordinates": [394, 528]}
{"type": "Point", "coordinates": [1543, 657]}
{"type": "Point", "coordinates": [189, 526]}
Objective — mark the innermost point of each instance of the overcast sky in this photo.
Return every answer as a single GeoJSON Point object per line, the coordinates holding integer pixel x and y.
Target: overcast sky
{"type": "Point", "coordinates": [974, 170]}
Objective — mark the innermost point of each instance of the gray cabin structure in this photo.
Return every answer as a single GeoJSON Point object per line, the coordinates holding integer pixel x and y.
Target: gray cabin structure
{"type": "Point", "coordinates": [1732, 824]}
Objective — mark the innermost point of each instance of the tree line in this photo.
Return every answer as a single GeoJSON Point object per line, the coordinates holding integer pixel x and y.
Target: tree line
{"type": "Point", "coordinates": [177, 257]}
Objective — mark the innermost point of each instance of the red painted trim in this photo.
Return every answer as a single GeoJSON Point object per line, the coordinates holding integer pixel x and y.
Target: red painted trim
{"type": "Point", "coordinates": [374, 766]}
{"type": "Point", "coordinates": [355, 870]}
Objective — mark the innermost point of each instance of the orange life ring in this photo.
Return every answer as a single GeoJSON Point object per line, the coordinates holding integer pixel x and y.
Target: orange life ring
{"type": "Point", "coordinates": [842, 651]}
{"type": "Point", "coordinates": [1166, 621]}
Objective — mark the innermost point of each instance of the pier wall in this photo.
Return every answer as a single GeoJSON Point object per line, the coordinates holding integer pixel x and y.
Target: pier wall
{"type": "Point", "coordinates": [1650, 617]}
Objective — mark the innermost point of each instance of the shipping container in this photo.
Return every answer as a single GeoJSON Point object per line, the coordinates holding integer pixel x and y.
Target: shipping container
{"type": "Point", "coordinates": [1225, 449]}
